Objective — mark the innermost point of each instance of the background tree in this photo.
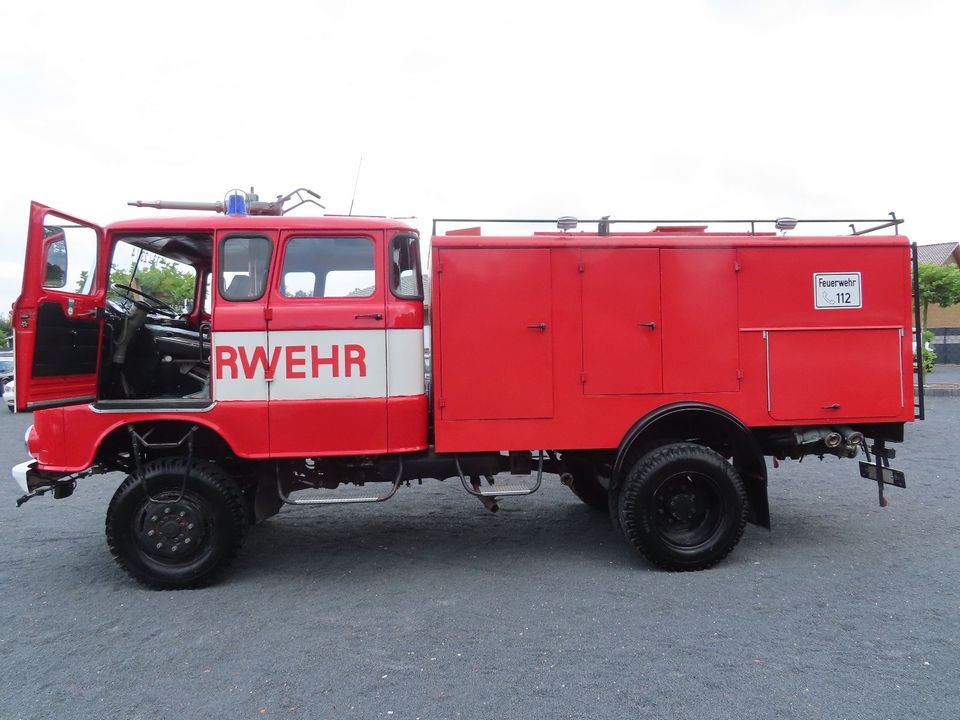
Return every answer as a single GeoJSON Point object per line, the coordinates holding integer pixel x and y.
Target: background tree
{"type": "Point", "coordinates": [160, 278]}
{"type": "Point", "coordinates": [6, 329]}
{"type": "Point", "coordinates": [939, 284]}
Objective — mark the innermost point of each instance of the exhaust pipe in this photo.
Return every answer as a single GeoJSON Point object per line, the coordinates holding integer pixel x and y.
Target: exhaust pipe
{"type": "Point", "coordinates": [490, 503]}
{"type": "Point", "coordinates": [841, 441]}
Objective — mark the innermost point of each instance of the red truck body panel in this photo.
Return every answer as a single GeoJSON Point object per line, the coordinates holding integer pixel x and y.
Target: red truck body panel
{"type": "Point", "coordinates": [637, 321]}
{"type": "Point", "coordinates": [555, 340]}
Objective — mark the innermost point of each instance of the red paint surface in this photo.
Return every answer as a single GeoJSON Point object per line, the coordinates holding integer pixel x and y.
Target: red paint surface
{"type": "Point", "coordinates": [621, 355]}
{"type": "Point", "coordinates": [712, 320]}
{"type": "Point", "coordinates": [48, 390]}
{"type": "Point", "coordinates": [490, 301]}
{"type": "Point", "coordinates": [701, 345]}
{"type": "Point", "coordinates": [720, 303]}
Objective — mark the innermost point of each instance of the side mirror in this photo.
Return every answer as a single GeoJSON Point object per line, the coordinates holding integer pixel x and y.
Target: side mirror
{"type": "Point", "coordinates": [56, 258]}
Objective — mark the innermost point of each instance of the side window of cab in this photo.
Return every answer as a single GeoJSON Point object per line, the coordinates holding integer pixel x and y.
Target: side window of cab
{"type": "Point", "coordinates": [244, 267]}
{"type": "Point", "coordinates": [328, 267]}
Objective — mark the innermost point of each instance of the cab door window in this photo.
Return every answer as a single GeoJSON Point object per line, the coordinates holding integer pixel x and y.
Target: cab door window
{"type": "Point", "coordinates": [70, 256]}
{"type": "Point", "coordinates": [328, 267]}
{"type": "Point", "coordinates": [244, 265]}
{"type": "Point", "coordinates": [406, 281]}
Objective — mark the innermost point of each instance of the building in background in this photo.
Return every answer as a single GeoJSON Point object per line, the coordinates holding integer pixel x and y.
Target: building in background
{"type": "Point", "coordinates": [943, 322]}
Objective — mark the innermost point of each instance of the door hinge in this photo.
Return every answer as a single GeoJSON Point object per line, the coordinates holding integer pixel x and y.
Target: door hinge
{"type": "Point", "coordinates": [736, 266]}
{"type": "Point", "coordinates": [580, 267]}
{"type": "Point", "coordinates": [268, 314]}
{"type": "Point", "coordinates": [583, 377]}
{"type": "Point", "coordinates": [439, 267]}
{"type": "Point", "coordinates": [442, 402]}
{"type": "Point", "coordinates": [739, 374]}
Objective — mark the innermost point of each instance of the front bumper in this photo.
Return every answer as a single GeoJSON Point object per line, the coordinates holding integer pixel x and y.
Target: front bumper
{"type": "Point", "coordinates": [30, 479]}
{"type": "Point", "coordinates": [21, 473]}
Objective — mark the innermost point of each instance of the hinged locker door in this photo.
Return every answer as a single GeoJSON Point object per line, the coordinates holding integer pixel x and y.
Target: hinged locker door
{"type": "Point", "coordinates": [496, 334]}
{"type": "Point", "coordinates": [621, 321]}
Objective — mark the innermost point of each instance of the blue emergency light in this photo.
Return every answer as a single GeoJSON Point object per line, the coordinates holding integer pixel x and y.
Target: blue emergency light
{"type": "Point", "coordinates": [236, 204]}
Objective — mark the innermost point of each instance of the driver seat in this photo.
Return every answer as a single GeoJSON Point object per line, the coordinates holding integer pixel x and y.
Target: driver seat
{"type": "Point", "coordinates": [239, 288]}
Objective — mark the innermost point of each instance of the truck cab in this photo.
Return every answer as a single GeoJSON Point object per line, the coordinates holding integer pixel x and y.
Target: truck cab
{"type": "Point", "coordinates": [215, 320]}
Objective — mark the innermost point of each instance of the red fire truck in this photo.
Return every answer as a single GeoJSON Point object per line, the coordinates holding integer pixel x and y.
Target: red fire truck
{"type": "Point", "coordinates": [652, 365]}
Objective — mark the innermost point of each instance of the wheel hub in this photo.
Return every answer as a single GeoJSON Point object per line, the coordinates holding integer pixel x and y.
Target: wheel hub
{"type": "Point", "coordinates": [687, 509]}
{"type": "Point", "coordinates": [684, 506]}
{"type": "Point", "coordinates": [170, 530]}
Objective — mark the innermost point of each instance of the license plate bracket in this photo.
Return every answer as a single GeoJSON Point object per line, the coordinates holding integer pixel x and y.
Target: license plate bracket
{"type": "Point", "coordinates": [887, 475]}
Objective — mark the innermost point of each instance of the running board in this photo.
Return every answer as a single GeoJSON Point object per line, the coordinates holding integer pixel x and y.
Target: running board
{"type": "Point", "coordinates": [489, 497]}
{"type": "Point", "coordinates": [343, 501]}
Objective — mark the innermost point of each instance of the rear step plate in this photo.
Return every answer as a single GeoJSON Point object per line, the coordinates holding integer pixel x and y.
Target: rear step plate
{"type": "Point", "coordinates": [888, 475]}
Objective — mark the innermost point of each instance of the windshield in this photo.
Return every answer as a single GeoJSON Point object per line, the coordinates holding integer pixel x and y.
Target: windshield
{"type": "Point", "coordinates": [169, 281]}
{"type": "Point", "coordinates": [6, 366]}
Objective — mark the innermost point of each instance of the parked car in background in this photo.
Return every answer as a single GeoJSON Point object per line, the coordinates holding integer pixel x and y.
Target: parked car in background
{"type": "Point", "coordinates": [10, 396]}
{"type": "Point", "coordinates": [6, 381]}
{"type": "Point", "coordinates": [6, 369]}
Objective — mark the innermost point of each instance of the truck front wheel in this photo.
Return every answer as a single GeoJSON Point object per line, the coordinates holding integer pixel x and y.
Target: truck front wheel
{"type": "Point", "coordinates": [683, 506]}
{"type": "Point", "coordinates": [176, 526]}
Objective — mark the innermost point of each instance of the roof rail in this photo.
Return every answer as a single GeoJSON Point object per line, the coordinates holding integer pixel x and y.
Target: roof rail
{"type": "Point", "coordinates": [603, 224]}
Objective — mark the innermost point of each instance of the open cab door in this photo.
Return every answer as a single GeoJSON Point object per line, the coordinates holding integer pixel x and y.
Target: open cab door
{"type": "Point", "coordinates": [58, 318]}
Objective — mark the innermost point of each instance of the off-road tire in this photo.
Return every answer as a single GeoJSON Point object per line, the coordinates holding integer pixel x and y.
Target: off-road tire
{"type": "Point", "coordinates": [210, 499]}
{"type": "Point", "coordinates": [700, 483]}
{"type": "Point", "coordinates": [587, 487]}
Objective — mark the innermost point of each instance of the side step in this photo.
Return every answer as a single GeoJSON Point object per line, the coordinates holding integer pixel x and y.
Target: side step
{"type": "Point", "coordinates": [343, 501]}
{"type": "Point", "coordinates": [489, 497]}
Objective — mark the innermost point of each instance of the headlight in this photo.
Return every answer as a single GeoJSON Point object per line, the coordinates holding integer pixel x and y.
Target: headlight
{"type": "Point", "coordinates": [8, 388]}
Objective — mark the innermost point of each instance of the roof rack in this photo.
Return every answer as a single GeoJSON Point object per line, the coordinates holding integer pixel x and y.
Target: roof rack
{"type": "Point", "coordinates": [603, 224]}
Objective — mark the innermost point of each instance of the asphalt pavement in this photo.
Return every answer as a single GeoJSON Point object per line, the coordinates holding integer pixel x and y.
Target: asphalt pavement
{"type": "Point", "coordinates": [431, 607]}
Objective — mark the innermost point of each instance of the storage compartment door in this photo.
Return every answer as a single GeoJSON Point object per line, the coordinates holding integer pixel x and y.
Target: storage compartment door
{"type": "Point", "coordinates": [701, 343]}
{"type": "Point", "coordinates": [496, 347]}
{"type": "Point", "coordinates": [828, 375]}
{"type": "Point", "coordinates": [622, 327]}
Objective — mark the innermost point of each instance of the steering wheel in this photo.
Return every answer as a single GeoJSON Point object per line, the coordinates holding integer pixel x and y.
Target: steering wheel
{"type": "Point", "coordinates": [158, 306]}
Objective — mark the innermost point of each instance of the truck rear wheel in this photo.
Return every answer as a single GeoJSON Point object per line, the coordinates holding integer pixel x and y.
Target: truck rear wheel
{"type": "Point", "coordinates": [168, 539]}
{"type": "Point", "coordinates": [586, 485]}
{"type": "Point", "coordinates": [683, 506]}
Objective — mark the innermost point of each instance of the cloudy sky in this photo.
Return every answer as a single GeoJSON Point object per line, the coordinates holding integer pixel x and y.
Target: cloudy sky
{"type": "Point", "coordinates": [636, 109]}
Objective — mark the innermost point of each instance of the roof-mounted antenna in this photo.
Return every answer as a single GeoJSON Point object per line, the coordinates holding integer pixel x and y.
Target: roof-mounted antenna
{"type": "Point", "coordinates": [355, 183]}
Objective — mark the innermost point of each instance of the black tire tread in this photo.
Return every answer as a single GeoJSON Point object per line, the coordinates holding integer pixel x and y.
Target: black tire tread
{"type": "Point", "coordinates": [216, 479]}
{"type": "Point", "coordinates": [586, 486]}
{"type": "Point", "coordinates": [631, 489]}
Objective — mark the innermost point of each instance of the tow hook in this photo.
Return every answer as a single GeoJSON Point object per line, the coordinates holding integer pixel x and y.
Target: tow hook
{"type": "Point", "coordinates": [61, 489]}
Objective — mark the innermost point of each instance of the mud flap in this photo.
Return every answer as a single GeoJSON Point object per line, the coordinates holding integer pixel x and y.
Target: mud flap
{"type": "Point", "coordinates": [266, 499]}
{"type": "Point", "coordinates": [759, 511]}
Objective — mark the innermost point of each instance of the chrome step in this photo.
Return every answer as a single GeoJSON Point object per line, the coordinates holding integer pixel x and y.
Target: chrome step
{"type": "Point", "coordinates": [473, 486]}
